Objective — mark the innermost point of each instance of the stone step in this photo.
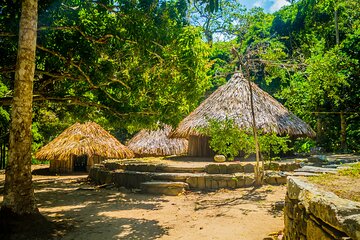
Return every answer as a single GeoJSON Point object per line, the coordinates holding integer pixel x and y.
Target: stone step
{"type": "Point", "coordinates": [164, 188]}
{"type": "Point", "coordinates": [152, 167]}
{"type": "Point", "coordinates": [315, 170]}
{"type": "Point", "coordinates": [198, 181]}
{"type": "Point", "coordinates": [211, 168]}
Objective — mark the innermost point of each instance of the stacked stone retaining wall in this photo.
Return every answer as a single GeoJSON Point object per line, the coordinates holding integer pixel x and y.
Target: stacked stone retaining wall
{"type": "Point", "coordinates": [314, 214]}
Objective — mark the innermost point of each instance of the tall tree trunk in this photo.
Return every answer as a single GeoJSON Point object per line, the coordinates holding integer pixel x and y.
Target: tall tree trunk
{"type": "Point", "coordinates": [19, 194]}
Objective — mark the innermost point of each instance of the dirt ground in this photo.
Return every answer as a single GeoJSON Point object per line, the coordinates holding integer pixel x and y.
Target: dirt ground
{"type": "Point", "coordinates": [111, 213]}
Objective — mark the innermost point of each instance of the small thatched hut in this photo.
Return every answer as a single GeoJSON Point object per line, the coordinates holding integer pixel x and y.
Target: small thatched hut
{"type": "Point", "coordinates": [232, 100]}
{"type": "Point", "coordinates": [157, 143]}
{"type": "Point", "coordinates": [81, 146]}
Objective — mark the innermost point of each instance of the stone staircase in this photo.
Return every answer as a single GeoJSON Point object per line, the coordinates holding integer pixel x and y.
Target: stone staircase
{"type": "Point", "coordinates": [172, 177]}
{"type": "Point", "coordinates": [175, 179]}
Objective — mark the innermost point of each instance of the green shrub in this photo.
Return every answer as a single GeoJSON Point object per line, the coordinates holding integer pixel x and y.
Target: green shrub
{"type": "Point", "coordinates": [34, 161]}
{"type": "Point", "coordinates": [227, 139]}
{"type": "Point", "coordinates": [304, 145]}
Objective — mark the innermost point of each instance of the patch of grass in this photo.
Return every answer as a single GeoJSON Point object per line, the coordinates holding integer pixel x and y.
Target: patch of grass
{"type": "Point", "coordinates": [352, 171]}
{"type": "Point", "coordinates": [323, 178]}
{"type": "Point", "coordinates": [345, 184]}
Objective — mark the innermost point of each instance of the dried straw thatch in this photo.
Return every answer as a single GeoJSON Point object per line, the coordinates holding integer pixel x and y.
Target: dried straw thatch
{"type": "Point", "coordinates": [84, 139]}
{"type": "Point", "coordinates": [157, 143]}
{"type": "Point", "coordinates": [232, 100]}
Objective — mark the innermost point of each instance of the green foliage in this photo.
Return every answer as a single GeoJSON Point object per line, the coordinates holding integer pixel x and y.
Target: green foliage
{"type": "Point", "coordinates": [34, 161]}
{"type": "Point", "coordinates": [226, 138]}
{"type": "Point", "coordinates": [304, 145]}
{"type": "Point", "coordinates": [272, 144]}
{"type": "Point", "coordinates": [126, 64]}
{"type": "Point", "coordinates": [37, 137]}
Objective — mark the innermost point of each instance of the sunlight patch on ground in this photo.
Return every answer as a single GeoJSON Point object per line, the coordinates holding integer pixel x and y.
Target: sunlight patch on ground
{"type": "Point", "coordinates": [134, 213]}
{"type": "Point", "coordinates": [62, 208]}
{"type": "Point", "coordinates": [126, 231]}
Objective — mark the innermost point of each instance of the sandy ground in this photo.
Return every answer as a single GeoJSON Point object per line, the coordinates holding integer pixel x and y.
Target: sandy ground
{"type": "Point", "coordinates": [110, 213]}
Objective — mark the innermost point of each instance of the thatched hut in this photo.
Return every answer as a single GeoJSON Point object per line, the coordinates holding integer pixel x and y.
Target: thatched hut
{"type": "Point", "coordinates": [81, 146]}
{"type": "Point", "coordinates": [157, 143]}
{"type": "Point", "coordinates": [232, 100]}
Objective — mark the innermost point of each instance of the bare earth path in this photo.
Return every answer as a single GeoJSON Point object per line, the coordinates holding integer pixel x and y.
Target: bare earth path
{"type": "Point", "coordinates": [112, 214]}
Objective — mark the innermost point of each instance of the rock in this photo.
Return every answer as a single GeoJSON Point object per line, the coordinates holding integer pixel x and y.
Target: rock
{"type": "Point", "coordinates": [222, 184]}
{"type": "Point", "coordinates": [214, 184]}
{"type": "Point", "coordinates": [113, 165]}
{"type": "Point", "coordinates": [272, 166]}
{"type": "Point", "coordinates": [249, 181]}
{"type": "Point", "coordinates": [192, 181]}
{"type": "Point", "coordinates": [318, 159]}
{"type": "Point", "coordinates": [311, 169]}
{"type": "Point", "coordinates": [208, 184]}
{"type": "Point", "coordinates": [278, 206]}
{"type": "Point", "coordinates": [222, 168]}
{"type": "Point", "coordinates": [235, 168]}
{"type": "Point", "coordinates": [315, 232]}
{"type": "Point", "coordinates": [165, 188]}
{"type": "Point", "coordinates": [275, 178]}
{"type": "Point", "coordinates": [231, 183]}
{"type": "Point", "coordinates": [212, 169]}
{"type": "Point", "coordinates": [248, 168]}
{"type": "Point", "coordinates": [338, 217]}
{"type": "Point", "coordinates": [201, 183]}
{"type": "Point", "coordinates": [219, 158]}
{"type": "Point", "coordinates": [289, 167]}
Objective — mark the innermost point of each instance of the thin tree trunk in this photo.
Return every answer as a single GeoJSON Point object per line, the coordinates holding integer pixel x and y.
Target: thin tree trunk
{"type": "Point", "coordinates": [342, 117]}
{"type": "Point", "coordinates": [343, 131]}
{"type": "Point", "coordinates": [258, 170]}
{"type": "Point", "coordinates": [19, 194]}
{"type": "Point", "coordinates": [319, 128]}
{"type": "Point", "coordinates": [336, 19]}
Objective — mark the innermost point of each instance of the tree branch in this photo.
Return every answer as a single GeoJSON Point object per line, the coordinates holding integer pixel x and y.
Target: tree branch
{"type": "Point", "coordinates": [73, 100]}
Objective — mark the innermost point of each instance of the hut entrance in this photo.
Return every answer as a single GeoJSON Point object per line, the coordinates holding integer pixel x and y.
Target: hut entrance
{"type": "Point", "coordinates": [80, 163]}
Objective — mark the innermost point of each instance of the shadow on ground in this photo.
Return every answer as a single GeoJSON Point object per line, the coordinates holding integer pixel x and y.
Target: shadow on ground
{"type": "Point", "coordinates": [71, 206]}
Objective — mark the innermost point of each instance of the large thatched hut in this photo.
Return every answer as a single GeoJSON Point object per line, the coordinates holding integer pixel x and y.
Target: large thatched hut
{"type": "Point", "coordinates": [157, 143]}
{"type": "Point", "coordinates": [232, 100]}
{"type": "Point", "coordinates": [81, 146]}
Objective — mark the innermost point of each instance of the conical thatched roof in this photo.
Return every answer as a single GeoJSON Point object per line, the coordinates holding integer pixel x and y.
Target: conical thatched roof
{"type": "Point", "coordinates": [84, 139]}
{"type": "Point", "coordinates": [232, 100]}
{"type": "Point", "coordinates": [157, 143]}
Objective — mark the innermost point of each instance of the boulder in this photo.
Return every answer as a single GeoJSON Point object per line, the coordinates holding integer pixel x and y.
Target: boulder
{"type": "Point", "coordinates": [219, 158]}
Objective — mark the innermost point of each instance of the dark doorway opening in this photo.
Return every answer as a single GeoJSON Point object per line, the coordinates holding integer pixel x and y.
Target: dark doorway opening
{"type": "Point", "coordinates": [80, 163]}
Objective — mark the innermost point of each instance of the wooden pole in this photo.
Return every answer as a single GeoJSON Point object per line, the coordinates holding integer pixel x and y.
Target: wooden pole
{"type": "Point", "coordinates": [258, 170]}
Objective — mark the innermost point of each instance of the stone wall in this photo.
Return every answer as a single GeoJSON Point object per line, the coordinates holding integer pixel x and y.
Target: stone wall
{"type": "Point", "coordinates": [314, 214]}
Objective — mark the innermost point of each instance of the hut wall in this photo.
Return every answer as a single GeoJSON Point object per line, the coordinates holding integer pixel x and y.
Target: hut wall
{"type": "Point", "coordinates": [95, 159]}
{"type": "Point", "coordinates": [60, 166]}
{"type": "Point", "coordinates": [199, 147]}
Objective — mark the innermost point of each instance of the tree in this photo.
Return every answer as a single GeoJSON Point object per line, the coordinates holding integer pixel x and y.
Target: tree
{"type": "Point", "coordinates": [133, 62]}
{"type": "Point", "coordinates": [321, 36]}
{"type": "Point", "coordinates": [19, 194]}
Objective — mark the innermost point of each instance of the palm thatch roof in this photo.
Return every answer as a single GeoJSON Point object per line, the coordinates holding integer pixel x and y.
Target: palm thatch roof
{"type": "Point", "coordinates": [84, 139]}
{"type": "Point", "coordinates": [157, 143]}
{"type": "Point", "coordinates": [232, 100]}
